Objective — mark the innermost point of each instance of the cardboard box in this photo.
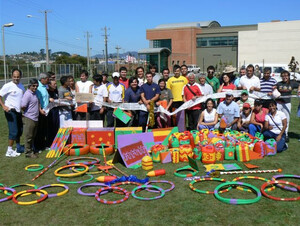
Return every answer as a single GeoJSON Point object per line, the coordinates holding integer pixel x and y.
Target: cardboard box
{"type": "Point", "coordinates": [100, 135]}
{"type": "Point", "coordinates": [126, 130]}
{"type": "Point", "coordinates": [78, 135]}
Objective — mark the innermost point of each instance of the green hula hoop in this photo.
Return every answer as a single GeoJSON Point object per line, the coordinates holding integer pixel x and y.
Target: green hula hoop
{"type": "Point", "coordinates": [76, 182]}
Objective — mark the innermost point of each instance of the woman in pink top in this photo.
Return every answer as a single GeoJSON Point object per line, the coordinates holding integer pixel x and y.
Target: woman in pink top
{"type": "Point", "coordinates": [257, 118]}
{"type": "Point", "coordinates": [226, 85]}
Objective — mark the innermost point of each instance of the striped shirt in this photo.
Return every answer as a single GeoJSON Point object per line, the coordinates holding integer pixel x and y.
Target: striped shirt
{"type": "Point", "coordinates": [266, 86]}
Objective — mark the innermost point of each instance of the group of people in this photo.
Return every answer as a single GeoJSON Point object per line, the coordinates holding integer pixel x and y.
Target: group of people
{"type": "Point", "coordinates": [151, 89]}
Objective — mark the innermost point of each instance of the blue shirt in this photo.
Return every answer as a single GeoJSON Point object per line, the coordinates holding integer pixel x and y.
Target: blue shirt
{"type": "Point", "coordinates": [230, 111]}
{"type": "Point", "coordinates": [150, 90]}
{"type": "Point", "coordinates": [43, 95]}
{"type": "Point", "coordinates": [132, 96]}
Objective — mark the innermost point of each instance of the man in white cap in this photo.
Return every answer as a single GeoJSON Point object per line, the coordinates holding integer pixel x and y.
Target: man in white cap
{"type": "Point", "coordinates": [116, 93]}
{"type": "Point", "coordinates": [249, 81]}
{"type": "Point", "coordinates": [229, 112]}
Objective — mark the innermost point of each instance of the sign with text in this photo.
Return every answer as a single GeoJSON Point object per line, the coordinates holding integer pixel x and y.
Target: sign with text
{"type": "Point", "coordinates": [84, 97]}
{"type": "Point", "coordinates": [133, 153]}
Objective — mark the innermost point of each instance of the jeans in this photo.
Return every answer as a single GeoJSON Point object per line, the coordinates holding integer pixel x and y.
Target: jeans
{"type": "Point", "coordinates": [206, 127]}
{"type": "Point", "coordinates": [253, 129]}
{"type": "Point", "coordinates": [15, 124]}
{"type": "Point", "coordinates": [281, 146]}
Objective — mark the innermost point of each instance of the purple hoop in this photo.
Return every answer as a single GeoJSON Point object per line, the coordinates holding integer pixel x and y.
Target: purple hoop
{"type": "Point", "coordinates": [13, 191]}
{"type": "Point", "coordinates": [80, 192]}
{"type": "Point", "coordinates": [276, 177]}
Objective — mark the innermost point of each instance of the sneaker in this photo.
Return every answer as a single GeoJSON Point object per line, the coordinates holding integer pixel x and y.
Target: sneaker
{"type": "Point", "coordinates": [32, 156]}
{"type": "Point", "coordinates": [12, 153]}
{"type": "Point", "coordinates": [21, 149]}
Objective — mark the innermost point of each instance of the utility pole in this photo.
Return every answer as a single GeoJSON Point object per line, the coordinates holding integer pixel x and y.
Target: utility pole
{"type": "Point", "coordinates": [106, 53]}
{"type": "Point", "coordinates": [46, 33]}
{"type": "Point", "coordinates": [88, 51]}
{"type": "Point", "coordinates": [118, 48]}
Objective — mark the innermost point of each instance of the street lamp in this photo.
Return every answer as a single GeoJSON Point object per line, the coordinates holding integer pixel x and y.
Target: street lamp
{"type": "Point", "coordinates": [3, 43]}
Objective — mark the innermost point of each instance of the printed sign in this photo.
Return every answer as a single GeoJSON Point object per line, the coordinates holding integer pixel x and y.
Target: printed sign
{"type": "Point", "coordinates": [84, 97]}
{"type": "Point", "coordinates": [132, 154]}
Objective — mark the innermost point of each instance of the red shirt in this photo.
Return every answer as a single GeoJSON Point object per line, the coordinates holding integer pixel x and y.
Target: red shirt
{"type": "Point", "coordinates": [124, 82]}
{"type": "Point", "coordinates": [189, 95]}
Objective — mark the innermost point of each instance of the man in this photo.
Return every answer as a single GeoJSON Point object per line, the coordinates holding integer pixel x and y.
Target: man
{"type": "Point", "coordinates": [176, 84]}
{"type": "Point", "coordinates": [184, 70]}
{"type": "Point", "coordinates": [51, 75]}
{"type": "Point", "coordinates": [64, 92]}
{"type": "Point", "coordinates": [242, 73]}
{"type": "Point", "coordinates": [191, 91]}
{"type": "Point", "coordinates": [245, 99]}
{"type": "Point", "coordinates": [166, 74]}
{"type": "Point", "coordinates": [211, 79]}
{"type": "Point", "coordinates": [267, 85]}
{"type": "Point", "coordinates": [249, 81]}
{"type": "Point", "coordinates": [43, 96]}
{"type": "Point", "coordinates": [150, 92]}
{"type": "Point", "coordinates": [229, 112]}
{"type": "Point", "coordinates": [116, 93]}
{"type": "Point", "coordinates": [205, 88]}
{"type": "Point", "coordinates": [12, 93]}
{"type": "Point", "coordinates": [123, 78]}
{"type": "Point", "coordinates": [104, 78]}
{"type": "Point", "coordinates": [82, 86]}
{"type": "Point", "coordinates": [155, 75]}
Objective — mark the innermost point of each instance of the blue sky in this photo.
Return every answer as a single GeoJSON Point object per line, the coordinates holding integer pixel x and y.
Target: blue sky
{"type": "Point", "coordinates": [127, 20]}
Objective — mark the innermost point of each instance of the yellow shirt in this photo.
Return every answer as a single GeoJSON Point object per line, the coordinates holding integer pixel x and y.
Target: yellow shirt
{"type": "Point", "coordinates": [176, 85]}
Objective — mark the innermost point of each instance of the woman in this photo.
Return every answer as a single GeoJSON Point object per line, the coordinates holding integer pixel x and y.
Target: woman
{"type": "Point", "coordinates": [133, 95]}
{"type": "Point", "coordinates": [209, 117]}
{"type": "Point", "coordinates": [275, 125]}
{"type": "Point", "coordinates": [244, 120]}
{"type": "Point", "coordinates": [13, 92]}
{"type": "Point", "coordinates": [73, 92]}
{"type": "Point", "coordinates": [30, 106]}
{"type": "Point", "coordinates": [257, 118]}
{"type": "Point", "coordinates": [53, 115]}
{"type": "Point", "coordinates": [226, 84]}
{"type": "Point", "coordinates": [165, 100]}
{"type": "Point", "coordinates": [139, 73]}
{"type": "Point", "coordinates": [285, 87]}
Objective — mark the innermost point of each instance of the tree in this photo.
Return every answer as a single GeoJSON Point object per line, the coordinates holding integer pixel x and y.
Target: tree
{"type": "Point", "coordinates": [42, 53]}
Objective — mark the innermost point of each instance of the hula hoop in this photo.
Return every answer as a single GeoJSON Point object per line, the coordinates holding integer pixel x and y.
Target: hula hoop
{"type": "Point", "coordinates": [40, 167]}
{"type": "Point", "coordinates": [125, 183]}
{"type": "Point", "coordinates": [80, 192]}
{"type": "Point", "coordinates": [21, 185]}
{"type": "Point", "coordinates": [97, 149]}
{"type": "Point", "coordinates": [185, 168]}
{"type": "Point", "coordinates": [252, 177]}
{"type": "Point", "coordinates": [45, 195]}
{"type": "Point", "coordinates": [76, 149]}
{"type": "Point", "coordinates": [286, 176]}
{"type": "Point", "coordinates": [96, 161]}
{"type": "Point", "coordinates": [279, 182]}
{"type": "Point", "coordinates": [161, 181]}
{"type": "Point", "coordinates": [191, 185]}
{"type": "Point", "coordinates": [237, 201]}
{"type": "Point", "coordinates": [147, 187]}
{"type": "Point", "coordinates": [75, 182]}
{"type": "Point", "coordinates": [71, 174]}
{"type": "Point", "coordinates": [13, 192]}
{"type": "Point", "coordinates": [54, 194]}
{"type": "Point", "coordinates": [108, 189]}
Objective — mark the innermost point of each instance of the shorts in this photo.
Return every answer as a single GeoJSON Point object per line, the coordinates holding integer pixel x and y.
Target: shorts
{"type": "Point", "coordinates": [15, 124]}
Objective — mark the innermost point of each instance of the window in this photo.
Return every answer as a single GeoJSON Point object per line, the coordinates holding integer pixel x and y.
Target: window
{"type": "Point", "coordinates": [162, 43]}
{"type": "Point", "coordinates": [173, 62]}
{"type": "Point", "coordinates": [178, 62]}
{"type": "Point", "coordinates": [183, 62]}
{"type": "Point", "coordinates": [217, 41]}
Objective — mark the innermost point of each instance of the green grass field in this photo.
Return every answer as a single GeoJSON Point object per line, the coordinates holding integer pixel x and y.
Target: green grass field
{"type": "Point", "coordinates": [178, 207]}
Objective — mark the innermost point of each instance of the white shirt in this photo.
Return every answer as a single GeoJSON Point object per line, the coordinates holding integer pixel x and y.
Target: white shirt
{"type": "Point", "coordinates": [99, 93]}
{"type": "Point", "coordinates": [209, 116]}
{"type": "Point", "coordinates": [279, 116]}
{"type": "Point", "coordinates": [206, 89]}
{"type": "Point", "coordinates": [249, 82]}
{"type": "Point", "coordinates": [116, 93]}
{"type": "Point", "coordinates": [84, 87]}
{"type": "Point", "coordinates": [13, 94]}
{"type": "Point", "coordinates": [244, 118]}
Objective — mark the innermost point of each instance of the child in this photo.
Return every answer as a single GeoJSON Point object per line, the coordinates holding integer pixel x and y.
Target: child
{"type": "Point", "coordinates": [100, 95]}
{"type": "Point", "coordinates": [30, 106]}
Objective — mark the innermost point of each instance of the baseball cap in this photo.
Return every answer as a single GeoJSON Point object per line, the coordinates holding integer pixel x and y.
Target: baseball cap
{"type": "Point", "coordinates": [244, 92]}
{"type": "Point", "coordinates": [229, 93]}
{"type": "Point", "coordinates": [116, 74]}
{"type": "Point", "coordinates": [246, 105]}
